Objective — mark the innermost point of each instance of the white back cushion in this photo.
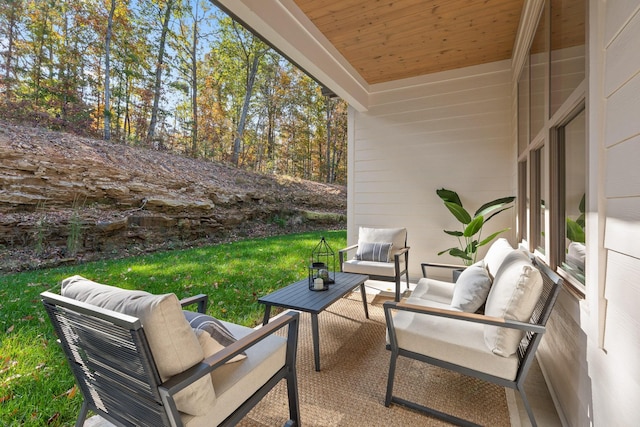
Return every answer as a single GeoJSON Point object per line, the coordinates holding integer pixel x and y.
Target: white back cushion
{"type": "Point", "coordinates": [498, 250]}
{"type": "Point", "coordinates": [173, 343]}
{"type": "Point", "coordinates": [514, 294]}
{"type": "Point", "coordinates": [396, 236]}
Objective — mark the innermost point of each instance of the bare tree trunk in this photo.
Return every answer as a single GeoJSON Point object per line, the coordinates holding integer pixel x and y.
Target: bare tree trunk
{"type": "Point", "coordinates": [12, 25]}
{"type": "Point", "coordinates": [159, 68]}
{"type": "Point", "coordinates": [328, 159]}
{"type": "Point", "coordinates": [194, 89]}
{"type": "Point", "coordinates": [107, 89]}
{"type": "Point", "coordinates": [245, 110]}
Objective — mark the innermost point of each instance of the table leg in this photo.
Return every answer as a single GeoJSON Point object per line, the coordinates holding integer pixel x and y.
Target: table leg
{"type": "Point", "coordinates": [316, 340]}
{"type": "Point", "coordinates": [267, 313]}
{"type": "Point", "coordinates": [364, 300]}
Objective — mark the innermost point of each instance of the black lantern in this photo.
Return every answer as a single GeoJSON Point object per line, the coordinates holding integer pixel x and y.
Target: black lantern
{"type": "Point", "coordinates": [322, 267]}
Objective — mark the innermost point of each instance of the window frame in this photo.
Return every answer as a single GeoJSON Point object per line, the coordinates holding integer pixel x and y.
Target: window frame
{"type": "Point", "coordinates": [559, 213]}
{"type": "Point", "coordinates": [530, 165]}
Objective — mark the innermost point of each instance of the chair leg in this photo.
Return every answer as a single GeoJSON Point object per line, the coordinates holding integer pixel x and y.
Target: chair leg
{"type": "Point", "coordinates": [292, 393]}
{"type": "Point", "coordinates": [397, 286]}
{"type": "Point", "coordinates": [83, 414]}
{"type": "Point", "coordinates": [527, 406]}
{"type": "Point", "coordinates": [392, 374]}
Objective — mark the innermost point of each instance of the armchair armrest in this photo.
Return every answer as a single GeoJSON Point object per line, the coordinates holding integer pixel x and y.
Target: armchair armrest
{"type": "Point", "coordinates": [403, 251]}
{"type": "Point", "coordinates": [348, 248]}
{"type": "Point", "coordinates": [424, 266]}
{"type": "Point", "coordinates": [184, 379]}
{"type": "Point", "coordinates": [201, 299]}
{"type": "Point", "coordinates": [343, 252]}
{"type": "Point", "coordinates": [459, 315]}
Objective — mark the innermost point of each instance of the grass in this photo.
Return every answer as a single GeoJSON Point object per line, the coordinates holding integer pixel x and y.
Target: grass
{"type": "Point", "coordinates": [36, 385]}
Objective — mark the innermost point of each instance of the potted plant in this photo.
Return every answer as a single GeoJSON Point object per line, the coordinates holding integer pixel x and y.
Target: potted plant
{"type": "Point", "coordinates": [470, 238]}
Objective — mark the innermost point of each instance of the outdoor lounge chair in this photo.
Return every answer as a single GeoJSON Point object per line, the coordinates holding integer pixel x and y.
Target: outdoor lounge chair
{"type": "Point", "coordinates": [497, 346]}
{"type": "Point", "coordinates": [381, 253]}
{"type": "Point", "coordinates": [139, 362]}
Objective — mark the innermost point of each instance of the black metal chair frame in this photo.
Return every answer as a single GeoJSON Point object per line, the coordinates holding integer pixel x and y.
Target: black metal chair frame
{"type": "Point", "coordinates": [118, 376]}
{"type": "Point", "coordinates": [342, 253]}
{"type": "Point", "coordinates": [534, 330]}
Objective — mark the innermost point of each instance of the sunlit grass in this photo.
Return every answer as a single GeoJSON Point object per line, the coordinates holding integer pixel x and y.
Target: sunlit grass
{"type": "Point", "coordinates": [36, 385]}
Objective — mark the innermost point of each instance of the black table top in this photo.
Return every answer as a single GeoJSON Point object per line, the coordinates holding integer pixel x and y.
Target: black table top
{"type": "Point", "coordinates": [298, 296]}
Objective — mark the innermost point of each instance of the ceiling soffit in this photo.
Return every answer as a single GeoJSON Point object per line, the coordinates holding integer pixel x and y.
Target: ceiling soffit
{"type": "Point", "coordinates": [392, 40]}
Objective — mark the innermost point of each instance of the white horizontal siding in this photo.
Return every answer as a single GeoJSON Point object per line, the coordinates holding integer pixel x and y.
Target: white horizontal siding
{"type": "Point", "coordinates": [618, 13]}
{"type": "Point", "coordinates": [613, 370]}
{"type": "Point", "coordinates": [622, 339]}
{"type": "Point", "coordinates": [623, 226]}
{"type": "Point", "coordinates": [622, 113]}
{"type": "Point", "coordinates": [623, 176]}
{"type": "Point", "coordinates": [562, 356]}
{"type": "Point", "coordinates": [620, 65]}
{"type": "Point", "coordinates": [454, 132]}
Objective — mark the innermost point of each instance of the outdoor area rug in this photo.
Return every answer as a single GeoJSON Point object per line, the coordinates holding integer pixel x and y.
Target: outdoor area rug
{"type": "Point", "coordinates": [349, 390]}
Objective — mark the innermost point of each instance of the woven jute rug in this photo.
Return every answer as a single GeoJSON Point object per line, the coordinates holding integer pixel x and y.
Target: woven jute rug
{"type": "Point", "coordinates": [349, 390]}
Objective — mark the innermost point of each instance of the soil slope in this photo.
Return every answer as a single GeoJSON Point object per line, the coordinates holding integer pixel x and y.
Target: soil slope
{"type": "Point", "coordinates": [65, 199]}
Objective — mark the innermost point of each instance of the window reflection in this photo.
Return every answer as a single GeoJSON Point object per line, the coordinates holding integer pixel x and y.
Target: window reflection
{"type": "Point", "coordinates": [541, 206]}
{"type": "Point", "coordinates": [567, 50]}
{"type": "Point", "coordinates": [523, 202]}
{"type": "Point", "coordinates": [573, 135]}
{"type": "Point", "coordinates": [523, 108]}
{"type": "Point", "coordinates": [538, 57]}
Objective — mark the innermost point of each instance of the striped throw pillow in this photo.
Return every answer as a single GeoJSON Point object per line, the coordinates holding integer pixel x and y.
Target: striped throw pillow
{"type": "Point", "coordinates": [378, 252]}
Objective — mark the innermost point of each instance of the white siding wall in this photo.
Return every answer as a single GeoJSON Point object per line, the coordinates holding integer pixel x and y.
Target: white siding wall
{"type": "Point", "coordinates": [452, 130]}
{"type": "Point", "coordinates": [590, 353]}
{"type": "Point", "coordinates": [614, 369]}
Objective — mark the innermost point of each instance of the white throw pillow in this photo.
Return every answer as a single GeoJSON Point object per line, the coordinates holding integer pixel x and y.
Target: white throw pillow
{"type": "Point", "coordinates": [496, 254]}
{"type": "Point", "coordinates": [471, 289]}
{"type": "Point", "coordinates": [514, 294]}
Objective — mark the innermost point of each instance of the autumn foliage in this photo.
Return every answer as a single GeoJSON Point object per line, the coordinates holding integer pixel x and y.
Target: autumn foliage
{"type": "Point", "coordinates": [181, 76]}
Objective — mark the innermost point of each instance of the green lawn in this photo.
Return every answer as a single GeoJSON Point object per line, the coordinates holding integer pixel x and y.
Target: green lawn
{"type": "Point", "coordinates": [36, 386]}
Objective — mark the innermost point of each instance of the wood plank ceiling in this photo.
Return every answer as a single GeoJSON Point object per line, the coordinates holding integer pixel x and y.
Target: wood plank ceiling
{"type": "Point", "coordinates": [386, 40]}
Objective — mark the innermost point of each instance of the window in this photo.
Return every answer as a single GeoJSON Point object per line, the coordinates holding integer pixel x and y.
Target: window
{"type": "Point", "coordinates": [523, 203]}
{"type": "Point", "coordinates": [539, 209]}
{"type": "Point", "coordinates": [538, 61]}
{"type": "Point", "coordinates": [523, 109]}
{"type": "Point", "coordinates": [567, 50]}
{"type": "Point", "coordinates": [572, 142]}
{"type": "Point", "coordinates": [551, 141]}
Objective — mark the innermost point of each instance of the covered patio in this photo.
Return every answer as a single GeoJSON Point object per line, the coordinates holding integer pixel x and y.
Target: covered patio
{"type": "Point", "coordinates": [487, 99]}
{"type": "Point", "coordinates": [349, 390]}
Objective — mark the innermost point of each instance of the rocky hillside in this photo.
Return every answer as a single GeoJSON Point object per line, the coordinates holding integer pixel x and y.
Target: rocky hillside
{"type": "Point", "coordinates": [65, 198]}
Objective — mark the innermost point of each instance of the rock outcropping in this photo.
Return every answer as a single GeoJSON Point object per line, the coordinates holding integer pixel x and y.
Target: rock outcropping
{"type": "Point", "coordinates": [66, 197]}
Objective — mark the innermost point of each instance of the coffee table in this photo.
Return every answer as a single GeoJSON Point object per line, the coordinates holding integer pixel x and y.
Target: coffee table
{"type": "Point", "coordinates": [298, 296]}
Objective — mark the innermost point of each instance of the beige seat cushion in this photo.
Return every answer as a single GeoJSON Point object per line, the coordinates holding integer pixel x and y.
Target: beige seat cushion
{"type": "Point", "coordinates": [173, 343]}
{"type": "Point", "coordinates": [434, 291]}
{"type": "Point", "coordinates": [451, 340]}
{"type": "Point", "coordinates": [236, 382]}
{"type": "Point", "coordinates": [387, 269]}
{"type": "Point", "coordinates": [514, 294]}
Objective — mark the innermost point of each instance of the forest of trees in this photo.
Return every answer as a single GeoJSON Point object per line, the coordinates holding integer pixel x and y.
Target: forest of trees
{"type": "Point", "coordinates": [175, 75]}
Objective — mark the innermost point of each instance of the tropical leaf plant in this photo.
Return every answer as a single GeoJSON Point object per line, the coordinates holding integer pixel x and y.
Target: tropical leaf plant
{"type": "Point", "coordinates": [575, 228]}
{"type": "Point", "coordinates": [470, 238]}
